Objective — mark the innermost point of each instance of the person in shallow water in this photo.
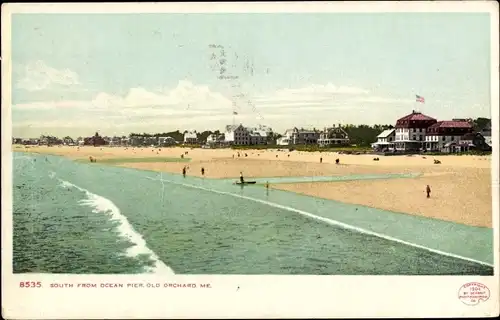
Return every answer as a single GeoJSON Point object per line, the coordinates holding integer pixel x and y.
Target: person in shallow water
{"type": "Point", "coordinates": [241, 177]}
{"type": "Point", "coordinates": [428, 190]}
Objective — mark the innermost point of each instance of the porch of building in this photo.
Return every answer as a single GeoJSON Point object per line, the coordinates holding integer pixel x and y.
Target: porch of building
{"type": "Point", "coordinates": [409, 145]}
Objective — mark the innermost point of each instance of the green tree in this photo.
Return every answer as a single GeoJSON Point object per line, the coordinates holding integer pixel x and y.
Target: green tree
{"type": "Point", "coordinates": [481, 123]}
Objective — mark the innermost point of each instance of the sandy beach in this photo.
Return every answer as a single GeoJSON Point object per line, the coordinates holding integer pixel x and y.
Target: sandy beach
{"type": "Point", "coordinates": [461, 185]}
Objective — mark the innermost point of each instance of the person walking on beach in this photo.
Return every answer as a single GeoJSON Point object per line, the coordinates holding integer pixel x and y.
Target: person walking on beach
{"type": "Point", "coordinates": [428, 190]}
{"type": "Point", "coordinates": [320, 160]}
{"type": "Point", "coordinates": [184, 172]}
{"type": "Point", "coordinates": [202, 171]}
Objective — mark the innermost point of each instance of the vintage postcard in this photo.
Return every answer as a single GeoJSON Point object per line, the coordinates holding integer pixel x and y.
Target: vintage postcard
{"type": "Point", "coordinates": [250, 160]}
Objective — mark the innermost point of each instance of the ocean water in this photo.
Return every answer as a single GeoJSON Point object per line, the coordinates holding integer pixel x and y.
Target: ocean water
{"type": "Point", "coordinates": [81, 218]}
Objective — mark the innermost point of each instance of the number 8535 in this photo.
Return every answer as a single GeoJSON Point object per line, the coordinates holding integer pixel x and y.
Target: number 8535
{"type": "Point", "coordinates": [30, 284]}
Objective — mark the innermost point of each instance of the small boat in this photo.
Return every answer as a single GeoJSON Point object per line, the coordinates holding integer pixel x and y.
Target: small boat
{"type": "Point", "coordinates": [246, 182]}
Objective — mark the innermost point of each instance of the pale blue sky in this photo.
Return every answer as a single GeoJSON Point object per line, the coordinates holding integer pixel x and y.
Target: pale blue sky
{"type": "Point", "coordinates": [76, 73]}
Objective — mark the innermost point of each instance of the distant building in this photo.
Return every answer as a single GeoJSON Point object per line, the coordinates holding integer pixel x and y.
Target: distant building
{"type": "Point", "coordinates": [166, 141]}
{"type": "Point", "coordinates": [473, 141]}
{"type": "Point", "coordinates": [300, 136]}
{"type": "Point", "coordinates": [444, 136]}
{"type": "Point", "coordinates": [80, 141]}
{"type": "Point", "coordinates": [486, 133]}
{"type": "Point", "coordinates": [114, 141]}
{"type": "Point", "coordinates": [95, 141]}
{"type": "Point", "coordinates": [283, 141]}
{"type": "Point", "coordinates": [260, 135]}
{"type": "Point", "coordinates": [215, 139]}
{"type": "Point", "coordinates": [191, 137]}
{"type": "Point", "coordinates": [43, 141]}
{"type": "Point", "coordinates": [136, 140]}
{"type": "Point", "coordinates": [150, 141]}
{"type": "Point", "coordinates": [410, 134]}
{"type": "Point", "coordinates": [68, 141]}
{"type": "Point", "coordinates": [385, 140]}
{"type": "Point", "coordinates": [258, 138]}
{"type": "Point", "coordinates": [237, 135]}
{"type": "Point", "coordinates": [333, 136]}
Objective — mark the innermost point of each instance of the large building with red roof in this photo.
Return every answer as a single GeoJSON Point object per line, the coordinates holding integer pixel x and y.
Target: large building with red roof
{"type": "Point", "coordinates": [447, 136]}
{"type": "Point", "coordinates": [411, 131]}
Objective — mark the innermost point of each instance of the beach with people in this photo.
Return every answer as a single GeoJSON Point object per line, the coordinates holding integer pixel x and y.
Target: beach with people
{"type": "Point", "coordinates": [460, 184]}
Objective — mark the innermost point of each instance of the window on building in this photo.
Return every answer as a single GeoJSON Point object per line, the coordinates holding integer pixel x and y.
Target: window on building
{"type": "Point", "coordinates": [444, 138]}
{"type": "Point", "coordinates": [452, 138]}
{"type": "Point", "coordinates": [420, 130]}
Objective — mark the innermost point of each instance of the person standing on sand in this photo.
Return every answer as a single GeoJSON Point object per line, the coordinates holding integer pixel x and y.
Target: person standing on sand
{"type": "Point", "coordinates": [202, 171]}
{"type": "Point", "coordinates": [184, 172]}
{"type": "Point", "coordinates": [320, 160]}
{"type": "Point", "coordinates": [428, 190]}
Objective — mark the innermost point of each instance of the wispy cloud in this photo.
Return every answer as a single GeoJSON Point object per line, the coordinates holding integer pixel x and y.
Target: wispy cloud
{"type": "Point", "coordinates": [192, 105]}
{"type": "Point", "coordinates": [39, 76]}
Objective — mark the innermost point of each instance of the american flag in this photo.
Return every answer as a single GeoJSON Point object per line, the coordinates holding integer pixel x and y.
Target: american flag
{"type": "Point", "coordinates": [420, 99]}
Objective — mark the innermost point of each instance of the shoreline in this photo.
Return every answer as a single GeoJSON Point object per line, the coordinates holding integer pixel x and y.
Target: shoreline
{"type": "Point", "coordinates": [461, 185]}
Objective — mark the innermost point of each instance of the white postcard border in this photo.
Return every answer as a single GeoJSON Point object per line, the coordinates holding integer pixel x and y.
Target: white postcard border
{"type": "Point", "coordinates": [242, 296]}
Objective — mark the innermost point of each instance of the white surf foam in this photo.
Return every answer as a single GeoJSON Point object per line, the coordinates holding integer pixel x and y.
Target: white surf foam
{"type": "Point", "coordinates": [100, 204]}
{"type": "Point", "coordinates": [330, 221]}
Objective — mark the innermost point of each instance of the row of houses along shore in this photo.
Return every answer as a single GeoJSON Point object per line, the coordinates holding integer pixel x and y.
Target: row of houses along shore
{"type": "Point", "coordinates": [415, 132]}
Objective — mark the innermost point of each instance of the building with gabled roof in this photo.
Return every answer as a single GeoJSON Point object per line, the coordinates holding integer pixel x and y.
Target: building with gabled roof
{"type": "Point", "coordinates": [445, 136]}
{"type": "Point", "coordinates": [411, 131]}
{"type": "Point", "coordinates": [236, 135]}
{"type": "Point", "coordinates": [296, 136]}
{"type": "Point", "coordinates": [385, 140]}
{"type": "Point", "coordinates": [333, 136]}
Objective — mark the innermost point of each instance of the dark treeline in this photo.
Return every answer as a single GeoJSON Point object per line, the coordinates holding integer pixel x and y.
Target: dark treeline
{"type": "Point", "coordinates": [482, 124]}
{"type": "Point", "coordinates": [363, 135]}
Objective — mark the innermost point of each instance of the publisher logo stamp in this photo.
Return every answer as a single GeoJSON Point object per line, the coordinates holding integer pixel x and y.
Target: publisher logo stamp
{"type": "Point", "coordinates": [473, 292]}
